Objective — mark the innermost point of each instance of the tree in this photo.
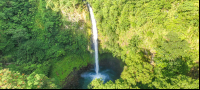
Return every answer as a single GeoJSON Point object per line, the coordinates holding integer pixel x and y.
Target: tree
{"type": "Point", "coordinates": [14, 80]}
{"type": "Point", "coordinates": [172, 47]}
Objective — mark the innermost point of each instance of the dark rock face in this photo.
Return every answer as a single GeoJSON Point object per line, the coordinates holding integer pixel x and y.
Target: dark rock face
{"type": "Point", "coordinates": [112, 63]}
{"type": "Point", "coordinates": [72, 80]}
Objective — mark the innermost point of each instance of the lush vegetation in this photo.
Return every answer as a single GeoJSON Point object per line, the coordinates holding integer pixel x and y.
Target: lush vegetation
{"type": "Point", "coordinates": [14, 80]}
{"type": "Point", "coordinates": [37, 38]}
{"type": "Point", "coordinates": [157, 39]}
{"type": "Point", "coordinates": [62, 68]}
{"type": "Point", "coordinates": [43, 41]}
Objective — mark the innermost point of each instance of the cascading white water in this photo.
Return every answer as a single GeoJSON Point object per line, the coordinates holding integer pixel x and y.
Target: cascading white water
{"type": "Point", "coordinates": [105, 74]}
{"type": "Point", "coordinates": [95, 36]}
{"type": "Point", "coordinates": [97, 74]}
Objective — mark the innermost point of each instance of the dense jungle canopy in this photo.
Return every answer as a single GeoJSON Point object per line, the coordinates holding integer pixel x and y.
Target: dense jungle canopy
{"type": "Point", "coordinates": [43, 41]}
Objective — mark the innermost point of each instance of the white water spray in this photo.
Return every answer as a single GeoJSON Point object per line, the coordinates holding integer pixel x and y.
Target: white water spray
{"type": "Point", "coordinates": [95, 36]}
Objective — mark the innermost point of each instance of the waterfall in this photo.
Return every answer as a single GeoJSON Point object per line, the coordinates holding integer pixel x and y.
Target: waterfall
{"type": "Point", "coordinates": [95, 36]}
{"type": "Point", "coordinates": [105, 74]}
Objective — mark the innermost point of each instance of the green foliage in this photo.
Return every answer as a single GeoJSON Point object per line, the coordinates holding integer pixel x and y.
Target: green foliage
{"type": "Point", "coordinates": [24, 68]}
{"type": "Point", "coordinates": [187, 8]}
{"type": "Point", "coordinates": [98, 84]}
{"type": "Point", "coordinates": [174, 82]}
{"type": "Point", "coordinates": [61, 69]}
{"type": "Point", "coordinates": [1, 66]}
{"type": "Point", "coordinates": [32, 33]}
{"type": "Point", "coordinates": [29, 68]}
{"type": "Point", "coordinates": [14, 80]}
{"type": "Point", "coordinates": [43, 68]}
{"type": "Point", "coordinates": [167, 28]}
{"type": "Point", "coordinates": [95, 83]}
{"type": "Point", "coordinates": [40, 81]}
{"type": "Point", "coordinates": [137, 71]}
{"type": "Point", "coordinates": [172, 48]}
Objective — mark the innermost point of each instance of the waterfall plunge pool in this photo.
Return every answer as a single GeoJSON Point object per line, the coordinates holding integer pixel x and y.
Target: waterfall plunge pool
{"type": "Point", "coordinates": [110, 68]}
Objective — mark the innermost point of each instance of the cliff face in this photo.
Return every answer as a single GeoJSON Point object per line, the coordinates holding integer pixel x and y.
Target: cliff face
{"type": "Point", "coordinates": [75, 19]}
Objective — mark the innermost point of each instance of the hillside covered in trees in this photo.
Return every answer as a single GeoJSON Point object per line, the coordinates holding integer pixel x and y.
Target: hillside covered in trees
{"type": "Point", "coordinates": [43, 41]}
{"type": "Point", "coordinates": [40, 43]}
{"type": "Point", "coordinates": [157, 39]}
